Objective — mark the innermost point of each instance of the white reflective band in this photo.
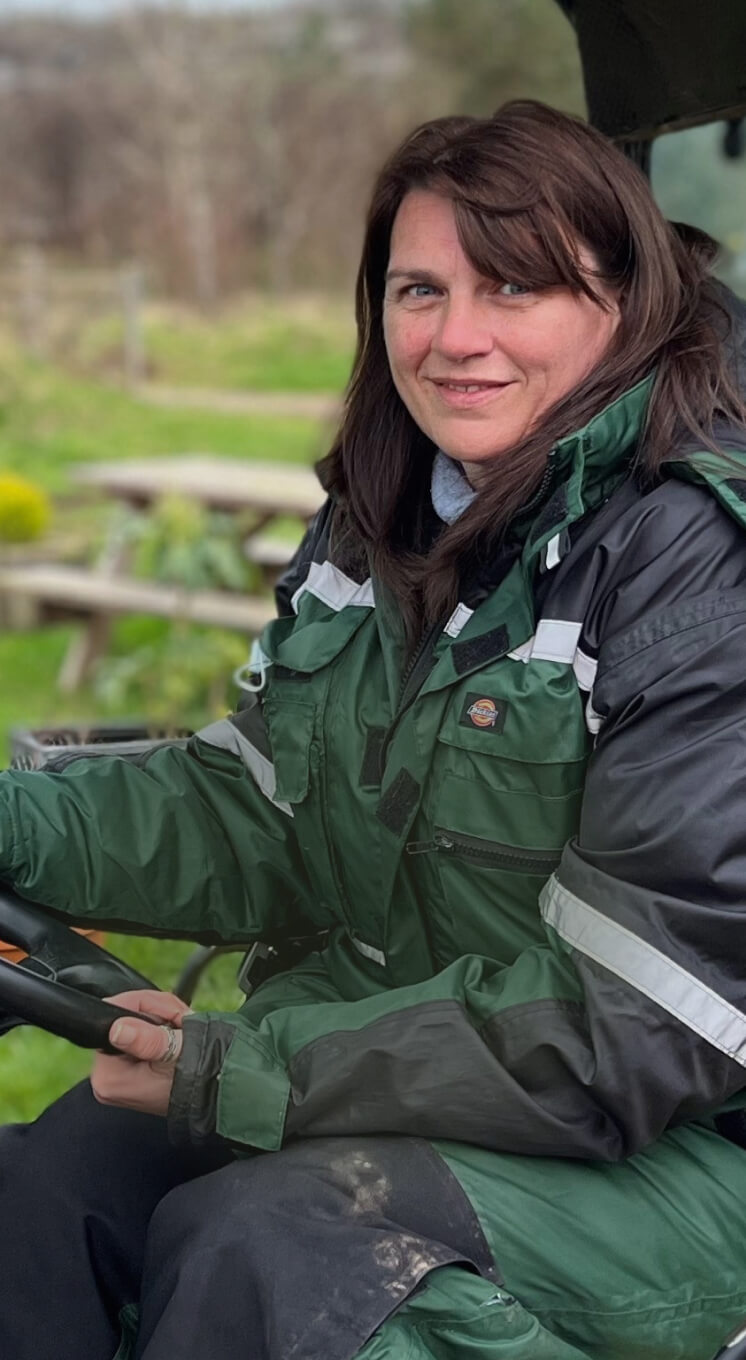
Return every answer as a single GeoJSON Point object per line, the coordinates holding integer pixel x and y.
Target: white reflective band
{"type": "Point", "coordinates": [646, 969]}
{"type": "Point", "coordinates": [370, 952]}
{"type": "Point", "coordinates": [262, 771]}
{"type": "Point", "coordinates": [555, 640]}
{"type": "Point", "coordinates": [585, 668]}
{"type": "Point", "coordinates": [593, 720]}
{"type": "Point", "coordinates": [333, 588]}
{"type": "Point", "coordinates": [458, 620]}
{"type": "Point", "coordinates": [553, 552]}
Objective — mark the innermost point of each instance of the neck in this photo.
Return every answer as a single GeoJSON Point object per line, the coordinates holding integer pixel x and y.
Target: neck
{"type": "Point", "coordinates": [476, 474]}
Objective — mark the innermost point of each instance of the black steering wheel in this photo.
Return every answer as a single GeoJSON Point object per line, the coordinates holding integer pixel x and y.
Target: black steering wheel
{"type": "Point", "coordinates": [60, 985]}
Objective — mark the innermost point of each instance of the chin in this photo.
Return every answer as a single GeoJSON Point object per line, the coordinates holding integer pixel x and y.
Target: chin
{"type": "Point", "coordinates": [475, 455]}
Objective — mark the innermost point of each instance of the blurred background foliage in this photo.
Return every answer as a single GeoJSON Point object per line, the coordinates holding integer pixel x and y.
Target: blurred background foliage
{"type": "Point", "coordinates": [182, 206]}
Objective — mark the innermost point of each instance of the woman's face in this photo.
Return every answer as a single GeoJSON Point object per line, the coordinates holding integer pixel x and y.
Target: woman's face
{"type": "Point", "coordinates": [478, 363]}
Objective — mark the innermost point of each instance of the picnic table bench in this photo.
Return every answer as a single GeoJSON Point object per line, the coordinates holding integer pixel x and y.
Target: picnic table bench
{"type": "Point", "coordinates": [262, 491]}
{"type": "Point", "coordinates": [259, 492]}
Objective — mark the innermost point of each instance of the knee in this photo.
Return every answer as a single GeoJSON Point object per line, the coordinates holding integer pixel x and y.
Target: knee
{"type": "Point", "coordinates": [198, 1213]}
{"type": "Point", "coordinates": [242, 1207]}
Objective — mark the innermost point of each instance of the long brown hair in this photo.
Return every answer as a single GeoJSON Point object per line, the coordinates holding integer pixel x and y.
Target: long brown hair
{"type": "Point", "coordinates": [528, 187]}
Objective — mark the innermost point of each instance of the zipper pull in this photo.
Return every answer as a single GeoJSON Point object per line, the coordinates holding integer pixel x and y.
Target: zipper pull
{"type": "Point", "coordinates": [420, 847]}
{"type": "Point", "coordinates": [439, 842]}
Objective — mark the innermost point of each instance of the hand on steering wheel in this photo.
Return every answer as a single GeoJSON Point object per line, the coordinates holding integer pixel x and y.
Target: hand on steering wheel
{"type": "Point", "coordinates": [141, 1076]}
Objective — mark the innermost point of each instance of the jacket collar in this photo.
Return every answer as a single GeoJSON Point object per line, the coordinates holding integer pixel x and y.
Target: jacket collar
{"type": "Point", "coordinates": [586, 466]}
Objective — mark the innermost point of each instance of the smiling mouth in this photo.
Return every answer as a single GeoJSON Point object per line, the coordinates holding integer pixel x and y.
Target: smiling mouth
{"type": "Point", "coordinates": [464, 386]}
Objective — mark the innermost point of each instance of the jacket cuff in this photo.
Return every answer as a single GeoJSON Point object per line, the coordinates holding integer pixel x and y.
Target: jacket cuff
{"type": "Point", "coordinates": [253, 1092]}
{"type": "Point", "coordinates": [192, 1110]}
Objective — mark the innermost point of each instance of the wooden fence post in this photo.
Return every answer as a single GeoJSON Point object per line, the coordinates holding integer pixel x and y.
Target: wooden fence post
{"type": "Point", "coordinates": [132, 289]}
{"type": "Point", "coordinates": [33, 299]}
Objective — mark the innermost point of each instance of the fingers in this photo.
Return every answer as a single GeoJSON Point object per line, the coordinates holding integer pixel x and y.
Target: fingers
{"type": "Point", "coordinates": [146, 1043]}
{"type": "Point", "coordinates": [163, 1005]}
{"type": "Point", "coordinates": [139, 1076]}
{"type": "Point", "coordinates": [144, 1082]}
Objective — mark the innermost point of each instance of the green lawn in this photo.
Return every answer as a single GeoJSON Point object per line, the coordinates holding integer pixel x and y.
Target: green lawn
{"type": "Point", "coordinates": [50, 420]}
{"type": "Point", "coordinates": [291, 345]}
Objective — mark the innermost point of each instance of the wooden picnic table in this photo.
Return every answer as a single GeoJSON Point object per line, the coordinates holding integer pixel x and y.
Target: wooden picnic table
{"type": "Point", "coordinates": [265, 490]}
{"type": "Point", "coordinates": [258, 492]}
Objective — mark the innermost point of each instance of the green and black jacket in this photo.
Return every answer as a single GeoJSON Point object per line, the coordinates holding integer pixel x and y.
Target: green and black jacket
{"type": "Point", "coordinates": [527, 844]}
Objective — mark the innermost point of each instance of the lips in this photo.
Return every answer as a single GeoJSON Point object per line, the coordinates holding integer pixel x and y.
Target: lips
{"type": "Point", "coordinates": [460, 393]}
{"type": "Point", "coordinates": [467, 385]}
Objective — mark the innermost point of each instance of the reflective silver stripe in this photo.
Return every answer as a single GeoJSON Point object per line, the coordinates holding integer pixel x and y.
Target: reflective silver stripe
{"type": "Point", "coordinates": [555, 640]}
{"type": "Point", "coordinates": [369, 950]}
{"type": "Point", "coordinates": [262, 771]}
{"type": "Point", "coordinates": [458, 620]}
{"type": "Point", "coordinates": [593, 720]}
{"type": "Point", "coordinates": [646, 969]}
{"type": "Point", "coordinates": [585, 668]}
{"type": "Point", "coordinates": [553, 555]}
{"type": "Point", "coordinates": [333, 588]}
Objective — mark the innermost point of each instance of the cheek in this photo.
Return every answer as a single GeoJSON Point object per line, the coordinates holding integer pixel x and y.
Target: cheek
{"type": "Point", "coordinates": [597, 329]}
{"type": "Point", "coordinates": [581, 341]}
{"type": "Point", "coordinates": [406, 343]}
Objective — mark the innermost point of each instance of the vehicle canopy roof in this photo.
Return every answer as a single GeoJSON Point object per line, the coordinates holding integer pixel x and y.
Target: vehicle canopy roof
{"type": "Point", "coordinates": [653, 66]}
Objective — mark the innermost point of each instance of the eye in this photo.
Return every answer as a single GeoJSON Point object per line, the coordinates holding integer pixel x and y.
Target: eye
{"type": "Point", "coordinates": [514, 289]}
{"type": "Point", "coordinates": [419, 290]}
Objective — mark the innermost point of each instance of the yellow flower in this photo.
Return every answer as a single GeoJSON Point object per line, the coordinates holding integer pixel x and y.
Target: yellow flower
{"type": "Point", "coordinates": [24, 509]}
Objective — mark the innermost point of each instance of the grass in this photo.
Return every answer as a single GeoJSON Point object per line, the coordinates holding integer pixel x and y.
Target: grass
{"type": "Point", "coordinates": [260, 344]}
{"type": "Point", "coordinates": [51, 419]}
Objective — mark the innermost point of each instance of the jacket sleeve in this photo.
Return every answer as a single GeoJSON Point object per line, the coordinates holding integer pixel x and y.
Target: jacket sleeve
{"type": "Point", "coordinates": [632, 1015]}
{"type": "Point", "coordinates": [184, 842]}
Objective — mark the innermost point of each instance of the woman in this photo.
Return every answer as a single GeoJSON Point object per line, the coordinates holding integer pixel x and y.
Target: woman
{"type": "Point", "coordinates": [493, 747]}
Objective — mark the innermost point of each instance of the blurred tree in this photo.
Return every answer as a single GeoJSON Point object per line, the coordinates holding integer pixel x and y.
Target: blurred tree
{"type": "Point", "coordinates": [488, 51]}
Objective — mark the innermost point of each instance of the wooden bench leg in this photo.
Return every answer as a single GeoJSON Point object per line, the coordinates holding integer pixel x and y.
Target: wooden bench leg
{"type": "Point", "coordinates": [19, 612]}
{"type": "Point", "coordinates": [85, 648]}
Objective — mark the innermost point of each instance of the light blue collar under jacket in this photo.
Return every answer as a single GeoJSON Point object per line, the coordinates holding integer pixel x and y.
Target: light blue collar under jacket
{"type": "Point", "coordinates": [451, 492]}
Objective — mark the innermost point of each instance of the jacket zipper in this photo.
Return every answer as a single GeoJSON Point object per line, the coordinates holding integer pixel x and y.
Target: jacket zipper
{"type": "Point", "coordinates": [491, 854]}
{"type": "Point", "coordinates": [415, 673]}
{"type": "Point", "coordinates": [417, 669]}
{"type": "Point", "coordinates": [342, 899]}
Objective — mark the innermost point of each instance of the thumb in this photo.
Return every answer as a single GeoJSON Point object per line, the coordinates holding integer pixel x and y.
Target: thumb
{"type": "Point", "coordinates": [147, 1043]}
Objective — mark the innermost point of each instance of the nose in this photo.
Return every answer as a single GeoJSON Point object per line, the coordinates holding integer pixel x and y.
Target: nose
{"type": "Point", "coordinates": [463, 332]}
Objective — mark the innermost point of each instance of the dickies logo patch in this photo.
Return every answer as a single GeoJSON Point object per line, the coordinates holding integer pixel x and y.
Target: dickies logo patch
{"type": "Point", "coordinates": [483, 712]}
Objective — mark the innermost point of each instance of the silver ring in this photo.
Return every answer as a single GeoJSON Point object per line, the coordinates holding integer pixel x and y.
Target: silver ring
{"type": "Point", "coordinates": [174, 1047]}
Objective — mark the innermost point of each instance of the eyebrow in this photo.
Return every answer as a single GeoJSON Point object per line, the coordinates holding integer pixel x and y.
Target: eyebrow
{"type": "Point", "coordinates": [415, 275]}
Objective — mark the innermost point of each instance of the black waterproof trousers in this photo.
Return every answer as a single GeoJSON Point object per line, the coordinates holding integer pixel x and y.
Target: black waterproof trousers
{"type": "Point", "coordinates": [301, 1253]}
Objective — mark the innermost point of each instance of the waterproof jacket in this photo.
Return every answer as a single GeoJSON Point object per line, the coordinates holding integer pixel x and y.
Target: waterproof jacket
{"type": "Point", "coordinates": [526, 842]}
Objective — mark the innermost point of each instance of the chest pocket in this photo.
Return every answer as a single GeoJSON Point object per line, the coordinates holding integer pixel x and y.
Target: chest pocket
{"type": "Point", "coordinates": [504, 798]}
{"type": "Point", "coordinates": [510, 763]}
{"type": "Point", "coordinates": [290, 723]}
{"type": "Point", "coordinates": [302, 651]}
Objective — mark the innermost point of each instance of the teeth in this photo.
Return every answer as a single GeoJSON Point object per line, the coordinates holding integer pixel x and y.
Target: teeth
{"type": "Point", "coordinates": [467, 387]}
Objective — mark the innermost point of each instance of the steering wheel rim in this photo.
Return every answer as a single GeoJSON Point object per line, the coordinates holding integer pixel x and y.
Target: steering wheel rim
{"type": "Point", "coordinates": [60, 985]}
